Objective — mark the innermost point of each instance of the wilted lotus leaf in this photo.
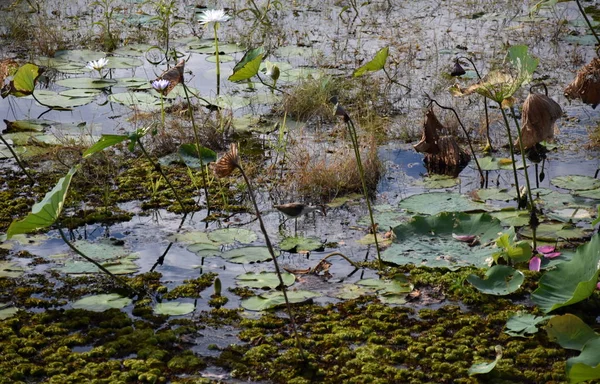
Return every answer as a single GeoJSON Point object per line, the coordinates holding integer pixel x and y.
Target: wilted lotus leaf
{"type": "Point", "coordinates": [586, 85]}
{"type": "Point", "coordinates": [7, 68]}
{"type": "Point", "coordinates": [540, 113]}
{"type": "Point", "coordinates": [428, 143]}
{"type": "Point", "coordinates": [173, 75]}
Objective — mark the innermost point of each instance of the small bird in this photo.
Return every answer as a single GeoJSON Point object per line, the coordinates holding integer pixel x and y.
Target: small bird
{"type": "Point", "coordinates": [295, 210]}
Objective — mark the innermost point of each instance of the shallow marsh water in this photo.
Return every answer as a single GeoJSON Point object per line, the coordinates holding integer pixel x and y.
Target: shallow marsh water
{"type": "Point", "coordinates": [424, 38]}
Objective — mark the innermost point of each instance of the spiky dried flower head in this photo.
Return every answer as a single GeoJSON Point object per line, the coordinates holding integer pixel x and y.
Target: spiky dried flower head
{"type": "Point", "coordinates": [228, 163]}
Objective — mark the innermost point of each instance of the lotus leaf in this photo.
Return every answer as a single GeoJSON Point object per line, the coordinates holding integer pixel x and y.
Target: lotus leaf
{"type": "Point", "coordinates": [489, 163]}
{"type": "Point", "coordinates": [232, 236]}
{"type": "Point", "coordinates": [54, 100]}
{"type": "Point", "coordinates": [572, 281]}
{"type": "Point", "coordinates": [551, 199]}
{"type": "Point", "coordinates": [376, 64]}
{"type": "Point", "coordinates": [300, 243]}
{"type": "Point", "coordinates": [524, 324]}
{"type": "Point", "coordinates": [79, 55]}
{"type": "Point", "coordinates": [100, 303]}
{"type": "Point", "coordinates": [570, 331]}
{"type": "Point", "coordinates": [493, 194]}
{"type": "Point", "coordinates": [265, 280]}
{"type": "Point", "coordinates": [499, 280]}
{"type": "Point", "coordinates": [139, 100]}
{"type": "Point", "coordinates": [190, 237]}
{"type": "Point", "coordinates": [6, 313]}
{"type": "Point", "coordinates": [174, 308]}
{"type": "Point", "coordinates": [586, 366]}
{"type": "Point", "coordinates": [10, 269]}
{"type": "Point", "coordinates": [589, 194]}
{"type": "Point", "coordinates": [276, 299]}
{"type": "Point", "coordinates": [247, 255]}
{"type": "Point", "coordinates": [511, 217]}
{"type": "Point", "coordinates": [204, 249]}
{"type": "Point", "coordinates": [439, 182]}
{"type": "Point", "coordinates": [483, 368]}
{"type": "Point", "coordinates": [86, 83]}
{"type": "Point", "coordinates": [428, 240]}
{"type": "Point", "coordinates": [116, 62]}
{"type": "Point", "coordinates": [81, 92]}
{"type": "Point", "coordinates": [576, 182]}
{"type": "Point", "coordinates": [432, 203]}
{"type": "Point", "coordinates": [556, 231]}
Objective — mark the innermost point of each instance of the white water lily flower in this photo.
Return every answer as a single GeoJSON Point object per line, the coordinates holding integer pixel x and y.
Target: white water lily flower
{"type": "Point", "coordinates": [97, 64]}
{"type": "Point", "coordinates": [160, 84]}
{"type": "Point", "coordinates": [213, 16]}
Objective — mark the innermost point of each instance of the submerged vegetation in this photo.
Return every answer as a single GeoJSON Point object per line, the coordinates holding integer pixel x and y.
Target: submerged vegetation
{"type": "Point", "coordinates": [149, 148]}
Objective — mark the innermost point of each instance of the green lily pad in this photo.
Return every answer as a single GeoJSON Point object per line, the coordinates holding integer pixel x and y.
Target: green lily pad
{"type": "Point", "coordinates": [370, 239]}
{"type": "Point", "coordinates": [79, 55]}
{"type": "Point", "coordinates": [572, 281]}
{"type": "Point", "coordinates": [483, 368]}
{"type": "Point", "coordinates": [296, 74]}
{"type": "Point", "coordinates": [438, 182]}
{"type": "Point", "coordinates": [80, 92]}
{"type": "Point", "coordinates": [399, 284]}
{"type": "Point", "coordinates": [229, 101]}
{"type": "Point", "coordinates": [493, 194]}
{"type": "Point", "coordinates": [550, 199]}
{"type": "Point", "coordinates": [209, 48]}
{"type": "Point", "coordinates": [570, 215]}
{"type": "Point", "coordinates": [489, 163]}
{"type": "Point", "coordinates": [53, 99]}
{"type": "Point", "coordinates": [139, 100]}
{"type": "Point", "coordinates": [9, 312]}
{"type": "Point", "coordinates": [589, 194]}
{"type": "Point", "coordinates": [351, 292]}
{"type": "Point", "coordinates": [10, 269]}
{"type": "Point", "coordinates": [576, 182]}
{"type": "Point", "coordinates": [178, 92]}
{"type": "Point", "coordinates": [86, 83]}
{"type": "Point", "coordinates": [117, 62]}
{"type": "Point", "coordinates": [555, 231]}
{"type": "Point", "coordinates": [174, 308]}
{"type": "Point", "coordinates": [100, 303]}
{"type": "Point", "coordinates": [205, 249]}
{"type": "Point", "coordinates": [132, 50]}
{"type": "Point", "coordinates": [300, 243]}
{"type": "Point", "coordinates": [232, 236]}
{"type": "Point", "coordinates": [499, 280]}
{"type": "Point", "coordinates": [135, 83]}
{"type": "Point", "coordinates": [524, 324]}
{"type": "Point", "coordinates": [264, 280]}
{"type": "Point", "coordinates": [432, 203]}
{"type": "Point", "coordinates": [428, 240]}
{"type": "Point", "coordinates": [120, 266]}
{"type": "Point", "coordinates": [569, 331]}
{"type": "Point", "coordinates": [27, 125]}
{"type": "Point", "coordinates": [61, 65]}
{"type": "Point", "coordinates": [511, 217]}
{"type": "Point", "coordinates": [276, 299]}
{"type": "Point", "coordinates": [247, 255]}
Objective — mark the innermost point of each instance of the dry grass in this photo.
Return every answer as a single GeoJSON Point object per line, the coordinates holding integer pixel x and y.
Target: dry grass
{"type": "Point", "coordinates": [310, 99]}
{"type": "Point", "coordinates": [321, 176]}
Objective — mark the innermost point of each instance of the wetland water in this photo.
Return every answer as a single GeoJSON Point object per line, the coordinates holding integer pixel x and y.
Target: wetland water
{"type": "Point", "coordinates": [310, 42]}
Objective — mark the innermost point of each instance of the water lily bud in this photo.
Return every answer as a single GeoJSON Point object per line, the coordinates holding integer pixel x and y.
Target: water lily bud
{"type": "Point", "coordinates": [217, 287]}
{"type": "Point", "coordinates": [275, 72]}
{"type": "Point", "coordinates": [458, 70]}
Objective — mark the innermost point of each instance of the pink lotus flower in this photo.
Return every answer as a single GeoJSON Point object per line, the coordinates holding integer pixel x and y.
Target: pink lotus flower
{"type": "Point", "coordinates": [535, 264]}
{"type": "Point", "coordinates": [548, 251]}
{"type": "Point", "coordinates": [598, 286]}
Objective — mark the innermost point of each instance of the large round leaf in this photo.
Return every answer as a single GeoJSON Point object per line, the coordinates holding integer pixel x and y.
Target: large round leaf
{"type": "Point", "coordinates": [174, 308]}
{"type": "Point", "coordinates": [576, 182]}
{"type": "Point", "coordinates": [300, 244]}
{"type": "Point", "coordinates": [10, 269]}
{"type": "Point", "coordinates": [247, 255]}
{"type": "Point", "coordinates": [275, 299]}
{"type": "Point", "coordinates": [267, 280]}
{"type": "Point", "coordinates": [139, 100]}
{"type": "Point", "coordinates": [100, 303]}
{"type": "Point", "coordinates": [499, 280]}
{"type": "Point", "coordinates": [429, 241]}
{"type": "Point", "coordinates": [86, 83]}
{"type": "Point", "coordinates": [232, 236]}
{"type": "Point", "coordinates": [555, 231]}
{"type": "Point", "coordinates": [435, 202]}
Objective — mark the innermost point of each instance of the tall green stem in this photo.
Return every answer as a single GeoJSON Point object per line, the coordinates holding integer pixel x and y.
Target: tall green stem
{"type": "Point", "coordinates": [361, 171]}
{"type": "Point", "coordinates": [216, 27]}
{"type": "Point", "coordinates": [530, 197]}
{"type": "Point", "coordinates": [197, 139]}
{"type": "Point", "coordinates": [162, 111]}
{"type": "Point", "coordinates": [512, 154]}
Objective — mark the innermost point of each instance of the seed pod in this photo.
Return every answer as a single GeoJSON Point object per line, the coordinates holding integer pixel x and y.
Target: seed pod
{"type": "Point", "coordinates": [540, 113]}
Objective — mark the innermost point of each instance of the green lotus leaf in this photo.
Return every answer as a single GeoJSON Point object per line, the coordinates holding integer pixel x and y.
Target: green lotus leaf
{"type": "Point", "coordinates": [205, 249]}
{"type": "Point", "coordinates": [23, 82]}
{"type": "Point", "coordinates": [265, 280]}
{"type": "Point", "coordinates": [586, 366]}
{"type": "Point", "coordinates": [550, 199]}
{"type": "Point", "coordinates": [300, 243]}
{"type": "Point", "coordinates": [54, 100]}
{"type": "Point", "coordinates": [136, 83]}
{"type": "Point", "coordinates": [376, 64]}
{"type": "Point", "coordinates": [139, 100]}
{"type": "Point", "coordinates": [117, 266]}
{"type": "Point", "coordinates": [100, 303]}
{"type": "Point", "coordinates": [10, 269]}
{"type": "Point", "coordinates": [81, 92]}
{"type": "Point", "coordinates": [117, 62]}
{"type": "Point", "coordinates": [493, 194]}
{"type": "Point", "coordinates": [589, 194]}
{"type": "Point", "coordinates": [570, 331]}
{"type": "Point", "coordinates": [432, 203]}
{"type": "Point", "coordinates": [489, 163]}
{"type": "Point", "coordinates": [428, 240]}
{"type": "Point", "coordinates": [438, 182]}
{"type": "Point", "coordinates": [61, 65]}
{"type": "Point", "coordinates": [248, 66]}
{"type": "Point", "coordinates": [9, 312]}
{"type": "Point", "coordinates": [232, 236]}
{"type": "Point", "coordinates": [276, 299]}
{"type": "Point", "coordinates": [576, 182]}
{"type": "Point", "coordinates": [499, 280]}
{"type": "Point", "coordinates": [483, 368]}
{"type": "Point", "coordinates": [79, 55]}
{"type": "Point", "coordinates": [570, 282]}
{"type": "Point", "coordinates": [570, 215]}
{"type": "Point", "coordinates": [174, 308]}
{"type": "Point", "coordinates": [247, 255]}
{"type": "Point", "coordinates": [86, 83]}
{"type": "Point", "coordinates": [524, 324]}
{"type": "Point", "coordinates": [556, 231]}
{"type": "Point", "coordinates": [511, 217]}
{"type": "Point", "coordinates": [397, 285]}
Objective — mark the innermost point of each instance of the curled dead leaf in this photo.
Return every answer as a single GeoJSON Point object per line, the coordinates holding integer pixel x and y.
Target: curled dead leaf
{"type": "Point", "coordinates": [586, 85]}
{"type": "Point", "coordinates": [173, 75]}
{"type": "Point", "coordinates": [430, 137]}
{"type": "Point", "coordinates": [540, 113]}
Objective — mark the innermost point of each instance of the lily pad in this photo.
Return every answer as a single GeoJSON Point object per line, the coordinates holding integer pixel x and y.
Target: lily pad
{"type": "Point", "coordinates": [136, 83]}
{"type": "Point", "coordinates": [483, 368]}
{"type": "Point", "coordinates": [80, 92]}
{"type": "Point", "coordinates": [264, 280]}
{"type": "Point", "coordinates": [300, 243]}
{"type": "Point", "coordinates": [117, 62]}
{"type": "Point", "coordinates": [524, 324]}
{"type": "Point", "coordinates": [499, 280]}
{"type": "Point", "coordinates": [350, 292]}
{"type": "Point", "coordinates": [589, 194]}
{"type": "Point", "coordinates": [222, 59]}
{"type": "Point", "coordinates": [493, 194]}
{"type": "Point", "coordinates": [570, 331]}
{"type": "Point", "coordinates": [86, 83]}
{"type": "Point", "coordinates": [190, 237]}
{"type": "Point", "coordinates": [54, 100]}
{"type": "Point", "coordinates": [555, 231]}
{"type": "Point", "coordinates": [100, 303]}
{"type": "Point", "coordinates": [276, 299]}
{"type": "Point", "coordinates": [10, 269]}
{"type": "Point", "coordinates": [232, 236]}
{"type": "Point", "coordinates": [551, 199]}
{"type": "Point", "coordinates": [432, 203]}
{"type": "Point", "coordinates": [174, 308]}
{"type": "Point", "coordinates": [586, 366]}
{"type": "Point", "coordinates": [79, 55]}
{"type": "Point", "coordinates": [439, 182]}
{"type": "Point", "coordinates": [247, 255]}
{"type": "Point", "coordinates": [489, 163]}
{"type": "Point", "coordinates": [138, 100]}
{"type": "Point", "coordinates": [511, 217]}
{"type": "Point", "coordinates": [9, 312]}
{"type": "Point", "coordinates": [229, 101]}
{"type": "Point", "coordinates": [132, 50]}
{"type": "Point", "coordinates": [570, 215]}
{"type": "Point", "coordinates": [205, 249]}
{"type": "Point", "coordinates": [397, 285]}
{"type": "Point", "coordinates": [428, 240]}
{"type": "Point", "coordinates": [576, 182]}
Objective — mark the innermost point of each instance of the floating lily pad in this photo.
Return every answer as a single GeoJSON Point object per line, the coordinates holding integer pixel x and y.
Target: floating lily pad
{"type": "Point", "coordinates": [9, 312]}
{"type": "Point", "coordinates": [556, 231]}
{"type": "Point", "coordinates": [576, 182]}
{"type": "Point", "coordinates": [551, 199]}
{"type": "Point", "coordinates": [10, 269]}
{"type": "Point", "coordinates": [61, 65]}
{"type": "Point", "coordinates": [276, 299]}
{"type": "Point", "coordinates": [79, 55]}
{"type": "Point", "coordinates": [121, 266]}
{"type": "Point", "coordinates": [116, 62]}
{"type": "Point", "coordinates": [569, 331]}
{"type": "Point", "coordinates": [190, 237]}
{"type": "Point", "coordinates": [570, 215]}
{"type": "Point", "coordinates": [351, 291]}
{"type": "Point", "coordinates": [511, 217]}
{"type": "Point", "coordinates": [80, 92]}
{"type": "Point", "coordinates": [397, 285]}
{"type": "Point", "coordinates": [86, 83]}
{"type": "Point", "coordinates": [139, 100]}
{"type": "Point", "coordinates": [499, 280]}
{"type": "Point", "coordinates": [209, 48]}
{"type": "Point", "coordinates": [589, 194]}
{"type": "Point", "coordinates": [439, 182]}
{"type": "Point", "coordinates": [265, 280]}
{"type": "Point", "coordinates": [493, 194]}
{"type": "Point", "coordinates": [27, 125]}
{"type": "Point", "coordinates": [174, 308]}
{"type": "Point", "coordinates": [489, 163]}
{"type": "Point", "coordinates": [136, 83]}
{"type": "Point", "coordinates": [232, 236]}
{"type": "Point", "coordinates": [247, 255]}
{"type": "Point", "coordinates": [428, 240]}
{"type": "Point", "coordinates": [524, 324]}
{"type": "Point", "coordinates": [53, 99]}
{"type": "Point", "coordinates": [296, 74]}
{"type": "Point", "coordinates": [370, 239]}
{"type": "Point", "coordinates": [229, 101]}
{"type": "Point", "coordinates": [100, 303]}
{"type": "Point", "coordinates": [299, 244]}
{"type": "Point", "coordinates": [132, 50]}
{"type": "Point", "coordinates": [204, 249]}
{"type": "Point", "coordinates": [432, 203]}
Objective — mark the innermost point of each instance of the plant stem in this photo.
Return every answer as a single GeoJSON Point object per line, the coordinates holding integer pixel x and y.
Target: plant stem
{"type": "Point", "coordinates": [113, 276]}
{"type": "Point", "coordinates": [272, 252]}
{"type": "Point", "coordinates": [530, 197]}
{"type": "Point", "coordinates": [361, 171]}
{"type": "Point", "coordinates": [216, 27]}
{"type": "Point", "coordinates": [162, 111]}
{"type": "Point", "coordinates": [512, 155]}
{"type": "Point", "coordinates": [587, 21]}
{"type": "Point", "coordinates": [21, 165]}
{"type": "Point", "coordinates": [197, 139]}
{"type": "Point", "coordinates": [159, 169]}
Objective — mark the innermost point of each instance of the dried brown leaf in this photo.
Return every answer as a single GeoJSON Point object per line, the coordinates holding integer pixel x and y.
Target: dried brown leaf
{"type": "Point", "coordinates": [540, 113]}
{"type": "Point", "coordinates": [586, 85]}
